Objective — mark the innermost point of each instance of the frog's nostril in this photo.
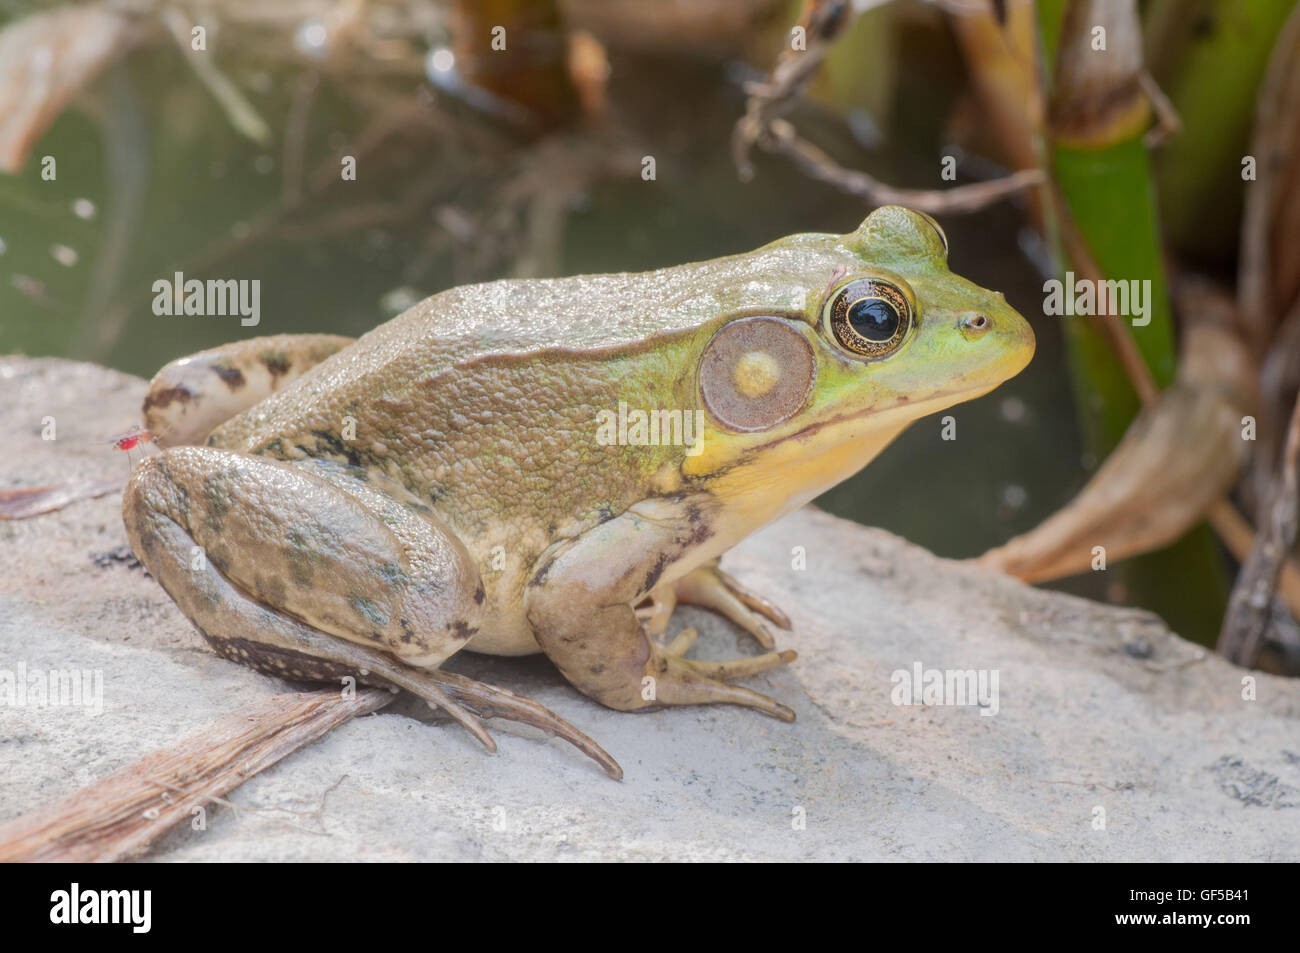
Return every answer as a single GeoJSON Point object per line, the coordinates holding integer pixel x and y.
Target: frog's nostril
{"type": "Point", "coordinates": [975, 324]}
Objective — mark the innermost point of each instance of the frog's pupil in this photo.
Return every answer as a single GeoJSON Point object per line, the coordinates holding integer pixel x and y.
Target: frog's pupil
{"type": "Point", "coordinates": [874, 319]}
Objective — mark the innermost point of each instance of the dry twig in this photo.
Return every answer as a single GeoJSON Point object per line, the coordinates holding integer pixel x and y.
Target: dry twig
{"type": "Point", "coordinates": [1246, 622]}
{"type": "Point", "coordinates": [763, 126]}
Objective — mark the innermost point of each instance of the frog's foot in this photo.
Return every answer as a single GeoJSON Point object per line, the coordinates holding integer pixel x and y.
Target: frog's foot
{"type": "Point", "coordinates": [488, 701]}
{"type": "Point", "coordinates": [672, 680]}
{"type": "Point", "coordinates": [605, 654]}
{"type": "Point", "coordinates": [733, 668]}
{"type": "Point", "coordinates": [450, 691]}
{"type": "Point", "coordinates": [692, 670]}
{"type": "Point", "coordinates": [464, 699]}
{"type": "Point", "coordinates": [710, 587]}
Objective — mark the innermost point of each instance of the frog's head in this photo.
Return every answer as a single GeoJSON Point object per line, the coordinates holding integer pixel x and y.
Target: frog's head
{"type": "Point", "coordinates": [886, 334]}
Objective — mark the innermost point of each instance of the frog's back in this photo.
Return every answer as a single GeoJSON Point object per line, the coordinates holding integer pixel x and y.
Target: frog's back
{"type": "Point", "coordinates": [586, 317]}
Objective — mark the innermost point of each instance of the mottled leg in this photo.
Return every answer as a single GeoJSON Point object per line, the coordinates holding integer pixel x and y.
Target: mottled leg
{"type": "Point", "coordinates": [191, 396]}
{"type": "Point", "coordinates": [580, 601]}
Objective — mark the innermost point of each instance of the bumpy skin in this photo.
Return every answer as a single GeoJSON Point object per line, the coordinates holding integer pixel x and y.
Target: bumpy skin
{"type": "Point", "coordinates": [438, 484]}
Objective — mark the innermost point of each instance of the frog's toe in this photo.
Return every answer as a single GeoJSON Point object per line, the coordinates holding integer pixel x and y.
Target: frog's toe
{"type": "Point", "coordinates": [710, 587]}
{"type": "Point", "coordinates": [657, 608]}
{"type": "Point", "coordinates": [488, 701]}
{"type": "Point", "coordinates": [743, 667]}
{"type": "Point", "coordinates": [732, 668]}
{"type": "Point", "coordinates": [681, 642]}
{"type": "Point", "coordinates": [682, 681]}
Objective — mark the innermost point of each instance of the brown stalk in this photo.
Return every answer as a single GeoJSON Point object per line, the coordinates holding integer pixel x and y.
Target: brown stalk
{"type": "Point", "coordinates": [1277, 129]}
{"type": "Point", "coordinates": [1116, 333]}
{"type": "Point", "coordinates": [1247, 620]}
{"type": "Point", "coordinates": [1239, 536]}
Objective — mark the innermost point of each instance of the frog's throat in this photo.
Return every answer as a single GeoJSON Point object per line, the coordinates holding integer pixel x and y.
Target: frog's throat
{"type": "Point", "coordinates": [770, 482]}
{"type": "Point", "coordinates": [873, 427]}
{"type": "Point", "coordinates": [895, 417]}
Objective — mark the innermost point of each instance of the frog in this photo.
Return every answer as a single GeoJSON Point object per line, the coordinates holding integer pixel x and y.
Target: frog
{"type": "Point", "coordinates": [322, 507]}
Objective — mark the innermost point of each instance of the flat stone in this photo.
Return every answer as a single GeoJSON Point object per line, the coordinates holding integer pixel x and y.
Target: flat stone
{"type": "Point", "coordinates": [1101, 715]}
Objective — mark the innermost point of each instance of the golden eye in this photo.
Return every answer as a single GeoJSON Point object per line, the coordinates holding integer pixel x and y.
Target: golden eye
{"type": "Point", "coordinates": [869, 317]}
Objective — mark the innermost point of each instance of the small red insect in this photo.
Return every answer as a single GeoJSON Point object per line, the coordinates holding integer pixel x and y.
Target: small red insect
{"type": "Point", "coordinates": [130, 440]}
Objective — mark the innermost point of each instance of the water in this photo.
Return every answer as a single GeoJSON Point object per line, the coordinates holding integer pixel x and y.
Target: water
{"type": "Point", "coordinates": [159, 182]}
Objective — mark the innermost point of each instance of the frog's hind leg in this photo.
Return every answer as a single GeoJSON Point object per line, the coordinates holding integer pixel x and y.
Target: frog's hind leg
{"type": "Point", "coordinates": [315, 574]}
{"type": "Point", "coordinates": [191, 396]}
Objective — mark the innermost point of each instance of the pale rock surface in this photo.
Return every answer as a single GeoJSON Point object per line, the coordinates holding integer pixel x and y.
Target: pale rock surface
{"type": "Point", "coordinates": [1099, 710]}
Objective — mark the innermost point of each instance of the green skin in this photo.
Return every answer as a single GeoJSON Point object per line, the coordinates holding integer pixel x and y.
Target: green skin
{"type": "Point", "coordinates": [438, 483]}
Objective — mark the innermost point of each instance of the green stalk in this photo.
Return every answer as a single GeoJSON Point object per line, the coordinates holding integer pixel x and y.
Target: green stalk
{"type": "Point", "coordinates": [1103, 172]}
{"type": "Point", "coordinates": [1209, 57]}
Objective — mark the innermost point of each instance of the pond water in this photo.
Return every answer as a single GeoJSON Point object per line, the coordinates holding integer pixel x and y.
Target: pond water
{"type": "Point", "coordinates": [152, 179]}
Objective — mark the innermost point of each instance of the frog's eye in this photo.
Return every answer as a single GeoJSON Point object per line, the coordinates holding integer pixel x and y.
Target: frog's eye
{"type": "Point", "coordinates": [869, 317]}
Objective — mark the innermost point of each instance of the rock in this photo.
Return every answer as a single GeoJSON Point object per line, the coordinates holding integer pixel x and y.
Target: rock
{"type": "Point", "coordinates": [1101, 713]}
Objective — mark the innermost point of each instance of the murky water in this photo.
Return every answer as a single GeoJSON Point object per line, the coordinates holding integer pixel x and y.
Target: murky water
{"type": "Point", "coordinates": [152, 180]}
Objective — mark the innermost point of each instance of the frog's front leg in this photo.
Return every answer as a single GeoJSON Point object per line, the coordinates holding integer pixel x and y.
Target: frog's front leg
{"type": "Point", "coordinates": [710, 587]}
{"type": "Point", "coordinates": [580, 605]}
{"type": "Point", "coordinates": [308, 572]}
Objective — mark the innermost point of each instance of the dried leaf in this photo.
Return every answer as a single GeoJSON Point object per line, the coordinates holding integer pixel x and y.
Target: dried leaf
{"type": "Point", "coordinates": [45, 59]}
{"type": "Point", "coordinates": [1179, 456]}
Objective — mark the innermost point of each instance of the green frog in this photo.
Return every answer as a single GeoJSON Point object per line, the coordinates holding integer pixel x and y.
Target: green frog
{"type": "Point", "coordinates": [453, 479]}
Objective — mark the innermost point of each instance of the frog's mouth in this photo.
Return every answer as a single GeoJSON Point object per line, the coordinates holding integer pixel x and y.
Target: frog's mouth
{"type": "Point", "coordinates": [895, 416]}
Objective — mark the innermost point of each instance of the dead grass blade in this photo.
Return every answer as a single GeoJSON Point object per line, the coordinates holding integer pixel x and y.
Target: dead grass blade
{"type": "Point", "coordinates": [121, 814]}
{"type": "Point", "coordinates": [35, 500]}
